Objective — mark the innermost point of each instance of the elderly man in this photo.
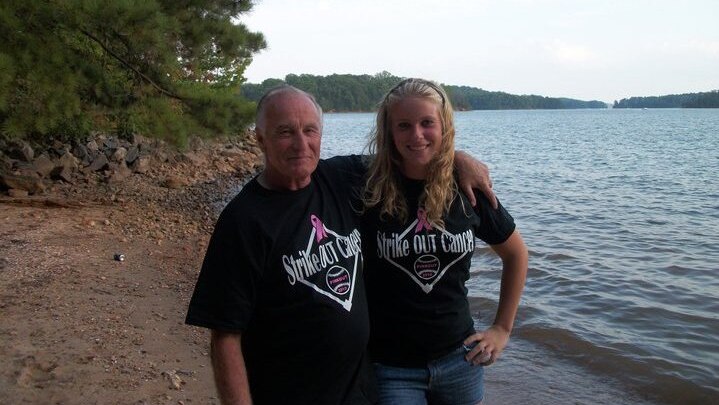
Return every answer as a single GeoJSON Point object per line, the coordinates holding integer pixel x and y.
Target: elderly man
{"type": "Point", "coordinates": [281, 286]}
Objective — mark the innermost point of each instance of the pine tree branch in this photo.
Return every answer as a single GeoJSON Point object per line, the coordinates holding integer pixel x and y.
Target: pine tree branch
{"type": "Point", "coordinates": [129, 66]}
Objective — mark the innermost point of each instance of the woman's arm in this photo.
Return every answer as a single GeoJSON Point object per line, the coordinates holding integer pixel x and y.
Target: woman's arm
{"type": "Point", "coordinates": [491, 342]}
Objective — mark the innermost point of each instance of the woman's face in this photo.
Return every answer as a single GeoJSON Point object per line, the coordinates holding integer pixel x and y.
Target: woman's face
{"type": "Point", "coordinates": [416, 130]}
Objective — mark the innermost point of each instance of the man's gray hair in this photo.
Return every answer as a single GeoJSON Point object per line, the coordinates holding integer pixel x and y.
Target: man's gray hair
{"type": "Point", "coordinates": [282, 89]}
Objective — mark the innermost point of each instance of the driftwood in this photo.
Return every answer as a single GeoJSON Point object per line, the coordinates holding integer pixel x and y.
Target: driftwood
{"type": "Point", "coordinates": [42, 202]}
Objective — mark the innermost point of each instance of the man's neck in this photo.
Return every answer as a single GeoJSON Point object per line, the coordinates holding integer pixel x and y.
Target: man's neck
{"type": "Point", "coordinates": [276, 184]}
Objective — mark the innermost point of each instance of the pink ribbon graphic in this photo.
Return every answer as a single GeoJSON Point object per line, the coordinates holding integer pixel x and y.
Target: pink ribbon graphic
{"type": "Point", "coordinates": [422, 221]}
{"type": "Point", "coordinates": [320, 232]}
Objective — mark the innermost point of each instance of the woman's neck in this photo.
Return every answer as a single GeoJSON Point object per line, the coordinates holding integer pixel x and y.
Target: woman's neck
{"type": "Point", "coordinates": [414, 172]}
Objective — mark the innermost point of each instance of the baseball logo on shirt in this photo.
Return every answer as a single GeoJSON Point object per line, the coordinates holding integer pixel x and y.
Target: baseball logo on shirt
{"type": "Point", "coordinates": [426, 267]}
{"type": "Point", "coordinates": [338, 280]}
{"type": "Point", "coordinates": [427, 242]}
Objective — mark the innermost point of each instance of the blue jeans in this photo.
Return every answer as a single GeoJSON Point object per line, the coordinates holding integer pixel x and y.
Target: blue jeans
{"type": "Point", "coordinates": [449, 380]}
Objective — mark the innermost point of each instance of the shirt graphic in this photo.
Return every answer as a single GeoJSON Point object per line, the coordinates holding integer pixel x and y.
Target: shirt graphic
{"type": "Point", "coordinates": [424, 251]}
{"type": "Point", "coordinates": [328, 264]}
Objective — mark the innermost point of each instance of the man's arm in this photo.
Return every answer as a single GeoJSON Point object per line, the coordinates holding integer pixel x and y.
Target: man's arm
{"type": "Point", "coordinates": [473, 174]}
{"type": "Point", "coordinates": [228, 365]}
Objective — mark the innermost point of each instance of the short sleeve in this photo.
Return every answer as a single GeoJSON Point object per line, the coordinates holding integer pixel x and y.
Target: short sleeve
{"type": "Point", "coordinates": [495, 225]}
{"type": "Point", "coordinates": [226, 289]}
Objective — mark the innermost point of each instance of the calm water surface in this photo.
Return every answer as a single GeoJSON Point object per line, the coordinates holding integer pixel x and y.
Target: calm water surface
{"type": "Point", "coordinates": [620, 210]}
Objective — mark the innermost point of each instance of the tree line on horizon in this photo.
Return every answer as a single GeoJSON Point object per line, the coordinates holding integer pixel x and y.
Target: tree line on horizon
{"type": "Point", "coordinates": [708, 99]}
{"type": "Point", "coordinates": [362, 93]}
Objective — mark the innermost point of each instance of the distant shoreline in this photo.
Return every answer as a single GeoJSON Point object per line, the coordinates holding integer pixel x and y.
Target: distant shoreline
{"type": "Point", "coordinates": [547, 109]}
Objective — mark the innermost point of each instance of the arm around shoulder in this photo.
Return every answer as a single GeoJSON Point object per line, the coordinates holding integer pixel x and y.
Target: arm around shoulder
{"type": "Point", "coordinates": [228, 365]}
{"type": "Point", "coordinates": [473, 174]}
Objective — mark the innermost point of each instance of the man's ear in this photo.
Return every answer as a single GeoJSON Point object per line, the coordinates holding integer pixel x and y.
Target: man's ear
{"type": "Point", "coordinates": [260, 139]}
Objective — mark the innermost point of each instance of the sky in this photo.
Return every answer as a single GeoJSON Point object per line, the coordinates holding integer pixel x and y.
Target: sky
{"type": "Point", "coordinates": [585, 49]}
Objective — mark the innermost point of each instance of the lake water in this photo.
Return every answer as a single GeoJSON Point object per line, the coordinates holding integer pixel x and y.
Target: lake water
{"type": "Point", "coordinates": [620, 211]}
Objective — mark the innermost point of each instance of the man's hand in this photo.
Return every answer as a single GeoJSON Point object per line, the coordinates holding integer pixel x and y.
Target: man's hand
{"type": "Point", "coordinates": [473, 174]}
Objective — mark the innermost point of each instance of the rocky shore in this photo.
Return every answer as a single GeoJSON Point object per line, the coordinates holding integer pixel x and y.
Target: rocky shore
{"type": "Point", "coordinates": [80, 324]}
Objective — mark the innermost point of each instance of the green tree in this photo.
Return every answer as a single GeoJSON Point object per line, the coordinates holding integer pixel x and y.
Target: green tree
{"type": "Point", "coordinates": [363, 93]}
{"type": "Point", "coordinates": [254, 91]}
{"type": "Point", "coordinates": [163, 68]}
{"type": "Point", "coordinates": [688, 100]}
{"type": "Point", "coordinates": [704, 100]}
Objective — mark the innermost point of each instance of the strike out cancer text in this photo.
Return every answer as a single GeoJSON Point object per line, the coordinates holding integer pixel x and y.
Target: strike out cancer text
{"type": "Point", "coordinates": [306, 263]}
{"type": "Point", "coordinates": [395, 245]}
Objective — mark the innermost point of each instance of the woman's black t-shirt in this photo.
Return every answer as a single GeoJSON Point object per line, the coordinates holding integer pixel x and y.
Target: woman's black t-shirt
{"type": "Point", "coordinates": [416, 273]}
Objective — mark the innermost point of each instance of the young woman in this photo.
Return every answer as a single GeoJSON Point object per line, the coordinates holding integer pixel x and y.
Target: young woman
{"type": "Point", "coordinates": [418, 236]}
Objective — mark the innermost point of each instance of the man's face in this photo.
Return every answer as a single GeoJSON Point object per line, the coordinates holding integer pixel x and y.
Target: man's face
{"type": "Point", "coordinates": [290, 135]}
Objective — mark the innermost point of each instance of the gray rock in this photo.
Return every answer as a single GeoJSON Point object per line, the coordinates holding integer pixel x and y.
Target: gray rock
{"type": "Point", "coordinates": [99, 163]}
{"type": "Point", "coordinates": [22, 152]}
{"type": "Point", "coordinates": [132, 154]}
{"type": "Point", "coordinates": [125, 143]}
{"type": "Point", "coordinates": [80, 151]}
{"type": "Point", "coordinates": [92, 146]}
{"type": "Point", "coordinates": [43, 165]}
{"type": "Point", "coordinates": [110, 144]}
{"type": "Point", "coordinates": [233, 153]}
{"type": "Point", "coordinates": [119, 155]}
{"type": "Point", "coordinates": [6, 162]}
{"type": "Point", "coordinates": [32, 185]}
{"type": "Point", "coordinates": [138, 139]}
{"type": "Point", "coordinates": [91, 157]}
{"type": "Point", "coordinates": [119, 173]}
{"type": "Point", "coordinates": [66, 166]}
{"type": "Point", "coordinates": [25, 169]}
{"type": "Point", "coordinates": [196, 143]}
{"type": "Point", "coordinates": [60, 148]}
{"type": "Point", "coordinates": [62, 173]}
{"type": "Point", "coordinates": [68, 160]}
{"type": "Point", "coordinates": [15, 193]}
{"type": "Point", "coordinates": [141, 164]}
{"type": "Point", "coordinates": [28, 152]}
{"type": "Point", "coordinates": [161, 156]}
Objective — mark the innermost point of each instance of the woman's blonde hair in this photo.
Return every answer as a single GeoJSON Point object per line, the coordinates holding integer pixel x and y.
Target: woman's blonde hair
{"type": "Point", "coordinates": [382, 186]}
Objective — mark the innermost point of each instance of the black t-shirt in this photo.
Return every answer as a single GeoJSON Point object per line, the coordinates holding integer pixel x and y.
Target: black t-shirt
{"type": "Point", "coordinates": [284, 268]}
{"type": "Point", "coordinates": [416, 274]}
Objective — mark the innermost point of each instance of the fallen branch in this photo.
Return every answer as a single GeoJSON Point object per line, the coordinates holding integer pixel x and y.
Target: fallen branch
{"type": "Point", "coordinates": [43, 202]}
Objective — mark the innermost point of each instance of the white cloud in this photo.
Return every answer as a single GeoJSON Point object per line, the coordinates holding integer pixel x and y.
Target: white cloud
{"type": "Point", "coordinates": [573, 55]}
{"type": "Point", "coordinates": [708, 48]}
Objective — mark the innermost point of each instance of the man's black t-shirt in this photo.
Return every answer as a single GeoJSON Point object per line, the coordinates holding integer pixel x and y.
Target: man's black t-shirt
{"type": "Point", "coordinates": [284, 269]}
{"type": "Point", "coordinates": [416, 272]}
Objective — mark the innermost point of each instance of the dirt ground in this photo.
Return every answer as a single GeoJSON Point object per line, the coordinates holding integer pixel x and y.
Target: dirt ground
{"type": "Point", "coordinates": [78, 326]}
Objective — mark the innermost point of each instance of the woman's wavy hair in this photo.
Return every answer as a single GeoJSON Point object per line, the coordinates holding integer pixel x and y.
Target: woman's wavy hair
{"type": "Point", "coordinates": [382, 186]}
